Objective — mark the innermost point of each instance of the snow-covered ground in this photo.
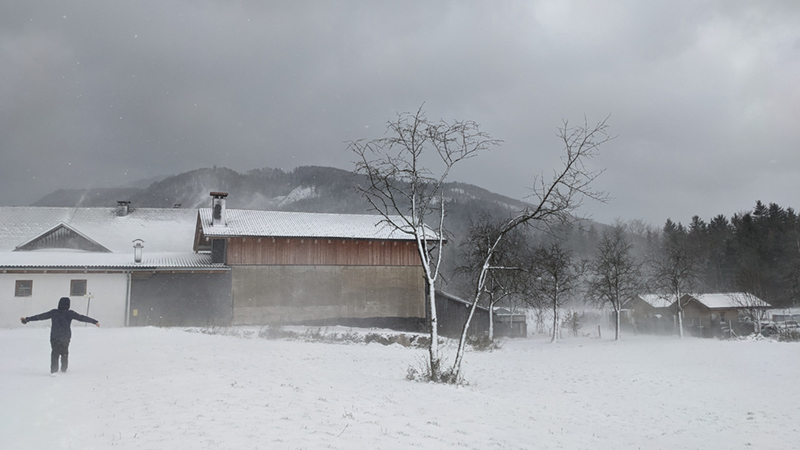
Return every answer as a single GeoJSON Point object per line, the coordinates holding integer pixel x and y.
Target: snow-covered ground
{"type": "Point", "coordinates": [150, 388]}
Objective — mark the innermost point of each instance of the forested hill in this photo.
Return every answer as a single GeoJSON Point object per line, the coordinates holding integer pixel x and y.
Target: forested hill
{"type": "Point", "coordinates": [309, 188]}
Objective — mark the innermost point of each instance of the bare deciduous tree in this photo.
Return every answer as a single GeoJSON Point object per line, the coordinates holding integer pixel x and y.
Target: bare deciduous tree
{"type": "Point", "coordinates": [558, 277]}
{"type": "Point", "coordinates": [555, 200]}
{"type": "Point", "coordinates": [507, 274]}
{"type": "Point", "coordinates": [614, 273]}
{"type": "Point", "coordinates": [675, 271]}
{"type": "Point", "coordinates": [754, 307]}
{"type": "Point", "coordinates": [405, 173]}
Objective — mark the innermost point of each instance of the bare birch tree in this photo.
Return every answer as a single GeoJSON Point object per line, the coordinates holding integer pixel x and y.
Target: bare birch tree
{"type": "Point", "coordinates": [614, 273]}
{"type": "Point", "coordinates": [555, 200]}
{"type": "Point", "coordinates": [406, 191]}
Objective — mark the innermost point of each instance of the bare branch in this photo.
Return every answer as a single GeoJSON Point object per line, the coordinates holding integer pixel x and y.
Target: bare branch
{"type": "Point", "coordinates": [405, 192]}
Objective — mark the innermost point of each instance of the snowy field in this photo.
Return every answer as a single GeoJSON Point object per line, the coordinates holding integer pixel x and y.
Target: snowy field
{"type": "Point", "coordinates": [149, 388]}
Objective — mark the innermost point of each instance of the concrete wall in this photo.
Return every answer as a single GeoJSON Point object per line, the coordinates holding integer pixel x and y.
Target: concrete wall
{"type": "Point", "coordinates": [109, 291]}
{"type": "Point", "coordinates": [180, 299]}
{"type": "Point", "coordinates": [294, 294]}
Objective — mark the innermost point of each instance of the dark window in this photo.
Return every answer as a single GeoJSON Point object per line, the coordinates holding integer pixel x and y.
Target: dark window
{"type": "Point", "coordinates": [24, 288]}
{"type": "Point", "coordinates": [218, 250]}
{"type": "Point", "coordinates": [77, 288]}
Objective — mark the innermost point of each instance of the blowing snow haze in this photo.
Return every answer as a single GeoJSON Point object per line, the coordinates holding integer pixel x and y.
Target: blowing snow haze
{"type": "Point", "coordinates": [703, 96]}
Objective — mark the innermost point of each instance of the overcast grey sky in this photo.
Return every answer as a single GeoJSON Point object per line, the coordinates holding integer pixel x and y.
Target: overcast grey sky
{"type": "Point", "coordinates": [703, 96]}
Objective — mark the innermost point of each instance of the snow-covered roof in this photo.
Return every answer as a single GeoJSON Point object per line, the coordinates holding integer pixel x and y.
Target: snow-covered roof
{"type": "Point", "coordinates": [91, 260]}
{"type": "Point", "coordinates": [730, 300]}
{"type": "Point", "coordinates": [657, 301]}
{"type": "Point", "coordinates": [241, 222]}
{"type": "Point", "coordinates": [453, 298]}
{"type": "Point", "coordinates": [162, 229]}
{"type": "Point", "coordinates": [168, 235]}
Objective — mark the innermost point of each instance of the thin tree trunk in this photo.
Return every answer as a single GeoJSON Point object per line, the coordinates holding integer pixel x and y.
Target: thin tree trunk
{"type": "Point", "coordinates": [555, 323]}
{"type": "Point", "coordinates": [616, 319]}
{"type": "Point", "coordinates": [462, 342]}
{"type": "Point", "coordinates": [433, 348]}
{"type": "Point", "coordinates": [491, 320]}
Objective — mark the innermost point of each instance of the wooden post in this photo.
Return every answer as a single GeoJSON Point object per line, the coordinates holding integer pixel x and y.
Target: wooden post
{"type": "Point", "coordinates": [599, 336]}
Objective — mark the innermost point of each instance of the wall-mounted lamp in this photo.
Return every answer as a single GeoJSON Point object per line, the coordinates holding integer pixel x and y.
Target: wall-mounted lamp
{"type": "Point", "coordinates": [138, 245]}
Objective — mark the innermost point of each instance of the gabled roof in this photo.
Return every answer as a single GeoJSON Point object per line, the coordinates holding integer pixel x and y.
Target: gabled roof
{"type": "Point", "coordinates": [62, 236]}
{"type": "Point", "coordinates": [736, 300]}
{"type": "Point", "coordinates": [162, 229]}
{"type": "Point", "coordinates": [251, 223]}
{"type": "Point", "coordinates": [458, 300]}
{"type": "Point", "coordinates": [97, 238]}
{"type": "Point", "coordinates": [656, 300]}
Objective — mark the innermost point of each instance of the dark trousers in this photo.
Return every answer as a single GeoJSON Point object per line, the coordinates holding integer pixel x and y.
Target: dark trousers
{"type": "Point", "coordinates": [60, 347]}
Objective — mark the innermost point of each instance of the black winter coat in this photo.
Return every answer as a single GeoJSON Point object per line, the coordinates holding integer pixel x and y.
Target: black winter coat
{"type": "Point", "coordinates": [61, 319]}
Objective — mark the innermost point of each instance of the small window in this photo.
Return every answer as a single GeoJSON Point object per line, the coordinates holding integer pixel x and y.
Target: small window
{"type": "Point", "coordinates": [77, 288]}
{"type": "Point", "coordinates": [24, 288]}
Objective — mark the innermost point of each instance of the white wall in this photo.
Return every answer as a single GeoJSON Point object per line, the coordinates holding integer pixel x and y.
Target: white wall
{"type": "Point", "coordinates": [108, 304]}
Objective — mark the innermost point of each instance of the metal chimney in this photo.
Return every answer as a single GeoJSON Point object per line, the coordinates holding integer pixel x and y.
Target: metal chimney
{"type": "Point", "coordinates": [123, 207]}
{"type": "Point", "coordinates": [218, 218]}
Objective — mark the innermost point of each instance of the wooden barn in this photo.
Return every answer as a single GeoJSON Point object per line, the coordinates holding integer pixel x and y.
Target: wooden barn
{"type": "Point", "coordinates": [649, 313]}
{"type": "Point", "coordinates": [711, 314]}
{"type": "Point", "coordinates": [309, 268]}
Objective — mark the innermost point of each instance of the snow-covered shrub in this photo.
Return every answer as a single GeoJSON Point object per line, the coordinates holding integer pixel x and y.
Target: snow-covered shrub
{"type": "Point", "coordinates": [422, 372]}
{"type": "Point", "coordinates": [314, 335]}
{"type": "Point", "coordinates": [222, 331]}
{"type": "Point", "coordinates": [377, 337]}
{"type": "Point", "coordinates": [350, 336]}
{"type": "Point", "coordinates": [484, 344]}
{"type": "Point", "coordinates": [276, 332]}
{"type": "Point", "coordinates": [789, 336]}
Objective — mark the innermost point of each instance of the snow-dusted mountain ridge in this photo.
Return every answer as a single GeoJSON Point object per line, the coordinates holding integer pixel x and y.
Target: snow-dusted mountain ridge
{"type": "Point", "coordinates": [307, 189]}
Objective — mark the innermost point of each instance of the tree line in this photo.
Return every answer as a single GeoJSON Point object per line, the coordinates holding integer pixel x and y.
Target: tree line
{"type": "Point", "coordinates": [756, 252]}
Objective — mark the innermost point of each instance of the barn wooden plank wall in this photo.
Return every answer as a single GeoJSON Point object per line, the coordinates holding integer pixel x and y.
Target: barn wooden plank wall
{"type": "Point", "coordinates": [340, 252]}
{"type": "Point", "coordinates": [296, 293]}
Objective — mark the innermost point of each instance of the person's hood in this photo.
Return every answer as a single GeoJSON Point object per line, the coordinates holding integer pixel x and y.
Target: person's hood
{"type": "Point", "coordinates": [63, 303]}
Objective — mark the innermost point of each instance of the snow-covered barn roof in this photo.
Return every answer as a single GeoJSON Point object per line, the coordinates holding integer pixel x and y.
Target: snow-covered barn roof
{"type": "Point", "coordinates": [656, 300]}
{"type": "Point", "coordinates": [247, 223]}
{"type": "Point", "coordinates": [730, 300]}
{"type": "Point", "coordinates": [162, 229]}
